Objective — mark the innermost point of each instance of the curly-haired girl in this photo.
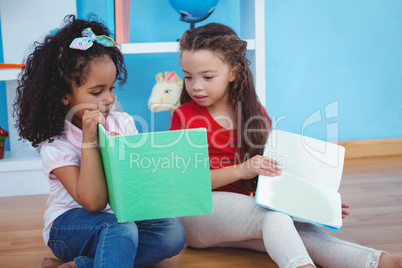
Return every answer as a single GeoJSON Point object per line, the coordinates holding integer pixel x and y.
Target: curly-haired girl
{"type": "Point", "coordinates": [219, 95]}
{"type": "Point", "coordinates": [66, 89]}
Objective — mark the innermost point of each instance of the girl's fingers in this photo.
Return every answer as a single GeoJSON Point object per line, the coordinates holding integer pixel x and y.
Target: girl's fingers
{"type": "Point", "coordinates": [273, 169]}
{"type": "Point", "coordinates": [273, 172]}
{"type": "Point", "coordinates": [270, 161]}
{"type": "Point", "coordinates": [112, 134]}
{"type": "Point", "coordinates": [274, 162]}
{"type": "Point", "coordinates": [261, 165]}
{"type": "Point", "coordinates": [344, 211]}
{"type": "Point", "coordinates": [270, 165]}
{"type": "Point", "coordinates": [94, 116]}
{"type": "Point", "coordinates": [102, 119]}
{"type": "Point", "coordinates": [267, 173]}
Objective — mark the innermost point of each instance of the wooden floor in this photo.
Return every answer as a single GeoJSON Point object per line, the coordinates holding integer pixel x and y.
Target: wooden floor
{"type": "Point", "coordinates": [372, 186]}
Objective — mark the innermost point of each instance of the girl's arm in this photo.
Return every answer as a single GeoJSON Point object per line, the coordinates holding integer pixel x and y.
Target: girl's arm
{"type": "Point", "coordinates": [86, 184]}
{"type": "Point", "coordinates": [257, 165]}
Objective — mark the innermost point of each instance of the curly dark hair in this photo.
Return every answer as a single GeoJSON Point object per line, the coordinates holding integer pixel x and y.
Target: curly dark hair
{"type": "Point", "coordinates": [227, 45]}
{"type": "Point", "coordinates": [49, 74]}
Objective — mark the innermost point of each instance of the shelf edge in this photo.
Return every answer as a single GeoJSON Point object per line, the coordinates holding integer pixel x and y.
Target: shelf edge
{"type": "Point", "coordinates": [18, 163]}
{"type": "Point", "coordinates": [9, 74]}
{"type": "Point", "coordinates": [162, 47]}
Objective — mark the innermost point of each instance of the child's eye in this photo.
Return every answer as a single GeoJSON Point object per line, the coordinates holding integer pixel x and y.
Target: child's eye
{"type": "Point", "coordinates": [187, 77]}
{"type": "Point", "coordinates": [208, 77]}
{"type": "Point", "coordinates": [96, 93]}
{"type": "Point", "coordinates": [112, 88]}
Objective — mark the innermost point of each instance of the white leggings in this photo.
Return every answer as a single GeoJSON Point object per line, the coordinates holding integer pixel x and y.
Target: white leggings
{"type": "Point", "coordinates": [238, 222]}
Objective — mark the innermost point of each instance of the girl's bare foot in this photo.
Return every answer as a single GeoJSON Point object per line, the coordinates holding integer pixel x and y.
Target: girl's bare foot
{"type": "Point", "coordinates": [70, 264]}
{"type": "Point", "coordinates": [388, 261]}
{"type": "Point", "coordinates": [51, 263]}
{"type": "Point", "coordinates": [55, 263]}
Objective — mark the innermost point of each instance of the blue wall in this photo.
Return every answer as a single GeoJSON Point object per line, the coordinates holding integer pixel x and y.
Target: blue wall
{"type": "Point", "coordinates": [346, 55]}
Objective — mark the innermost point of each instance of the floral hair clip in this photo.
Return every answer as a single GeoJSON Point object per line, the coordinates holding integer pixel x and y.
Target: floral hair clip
{"type": "Point", "coordinates": [85, 42]}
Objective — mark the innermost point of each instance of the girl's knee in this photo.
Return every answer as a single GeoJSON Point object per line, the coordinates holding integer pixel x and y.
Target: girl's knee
{"type": "Point", "coordinates": [277, 217]}
{"type": "Point", "coordinates": [126, 231]}
{"type": "Point", "coordinates": [174, 235]}
{"type": "Point", "coordinates": [309, 228]}
{"type": "Point", "coordinates": [128, 228]}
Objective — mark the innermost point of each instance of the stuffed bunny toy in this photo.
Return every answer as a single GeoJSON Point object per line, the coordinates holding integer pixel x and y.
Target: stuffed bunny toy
{"type": "Point", "coordinates": [165, 95]}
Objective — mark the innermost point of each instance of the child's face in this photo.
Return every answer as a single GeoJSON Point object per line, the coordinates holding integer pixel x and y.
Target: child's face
{"type": "Point", "coordinates": [96, 93]}
{"type": "Point", "coordinates": [207, 77]}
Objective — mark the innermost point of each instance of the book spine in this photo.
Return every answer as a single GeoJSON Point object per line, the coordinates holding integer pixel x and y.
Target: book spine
{"type": "Point", "coordinates": [114, 156]}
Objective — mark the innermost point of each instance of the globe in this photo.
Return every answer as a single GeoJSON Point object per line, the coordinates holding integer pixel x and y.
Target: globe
{"type": "Point", "coordinates": [194, 9]}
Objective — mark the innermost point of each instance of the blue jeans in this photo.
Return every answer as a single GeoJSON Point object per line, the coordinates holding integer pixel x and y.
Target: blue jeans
{"type": "Point", "coordinates": [96, 239]}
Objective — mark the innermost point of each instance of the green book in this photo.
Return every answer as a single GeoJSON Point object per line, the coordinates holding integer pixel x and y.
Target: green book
{"type": "Point", "coordinates": [158, 174]}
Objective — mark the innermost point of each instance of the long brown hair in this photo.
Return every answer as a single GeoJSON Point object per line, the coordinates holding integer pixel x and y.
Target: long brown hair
{"type": "Point", "coordinates": [224, 41]}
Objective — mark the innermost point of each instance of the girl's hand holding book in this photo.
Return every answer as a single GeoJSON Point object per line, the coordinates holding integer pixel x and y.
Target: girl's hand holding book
{"type": "Point", "coordinates": [344, 211]}
{"type": "Point", "coordinates": [90, 121]}
{"type": "Point", "coordinates": [260, 165]}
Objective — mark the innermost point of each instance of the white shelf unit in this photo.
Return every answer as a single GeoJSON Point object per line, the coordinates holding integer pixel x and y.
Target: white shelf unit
{"type": "Point", "coordinates": [22, 165]}
{"type": "Point", "coordinates": [161, 47]}
{"type": "Point", "coordinates": [21, 168]}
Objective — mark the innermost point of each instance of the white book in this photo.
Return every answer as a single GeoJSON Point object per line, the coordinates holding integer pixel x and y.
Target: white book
{"type": "Point", "coordinates": [308, 187]}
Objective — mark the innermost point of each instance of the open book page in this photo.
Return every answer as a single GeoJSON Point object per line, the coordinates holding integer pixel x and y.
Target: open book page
{"type": "Point", "coordinates": [308, 186]}
{"type": "Point", "coordinates": [307, 157]}
{"type": "Point", "coordinates": [300, 199]}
